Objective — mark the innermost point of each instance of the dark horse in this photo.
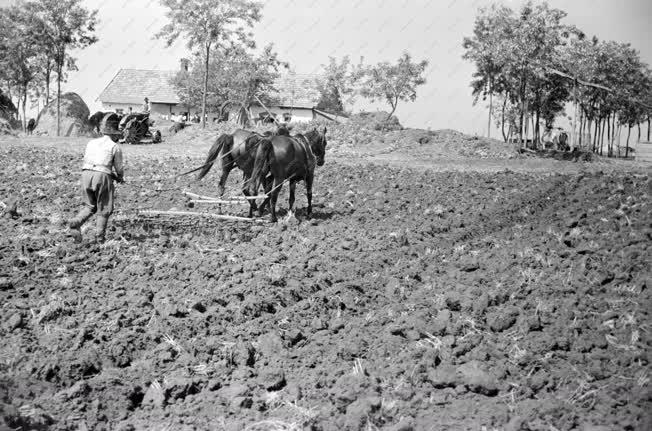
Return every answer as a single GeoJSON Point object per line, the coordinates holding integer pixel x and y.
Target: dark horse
{"type": "Point", "coordinates": [291, 158]}
{"type": "Point", "coordinates": [31, 125]}
{"type": "Point", "coordinates": [237, 150]}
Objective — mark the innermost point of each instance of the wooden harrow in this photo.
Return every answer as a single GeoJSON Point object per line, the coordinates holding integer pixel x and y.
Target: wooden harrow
{"type": "Point", "coordinates": [196, 199]}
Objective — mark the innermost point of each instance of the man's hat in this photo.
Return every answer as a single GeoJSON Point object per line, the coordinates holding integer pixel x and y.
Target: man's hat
{"type": "Point", "coordinates": [109, 129]}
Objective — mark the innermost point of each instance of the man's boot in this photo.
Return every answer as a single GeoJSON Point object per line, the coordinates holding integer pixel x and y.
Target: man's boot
{"type": "Point", "coordinates": [100, 228]}
{"type": "Point", "coordinates": [74, 224]}
{"type": "Point", "coordinates": [81, 218]}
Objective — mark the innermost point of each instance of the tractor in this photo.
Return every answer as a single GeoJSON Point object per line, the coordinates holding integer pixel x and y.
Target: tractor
{"type": "Point", "coordinates": [135, 128]}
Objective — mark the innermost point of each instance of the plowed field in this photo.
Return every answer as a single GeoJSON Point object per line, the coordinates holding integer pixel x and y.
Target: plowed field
{"type": "Point", "coordinates": [446, 296]}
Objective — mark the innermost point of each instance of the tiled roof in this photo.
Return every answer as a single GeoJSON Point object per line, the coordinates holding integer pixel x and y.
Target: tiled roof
{"type": "Point", "coordinates": [297, 90]}
{"type": "Point", "coordinates": [133, 85]}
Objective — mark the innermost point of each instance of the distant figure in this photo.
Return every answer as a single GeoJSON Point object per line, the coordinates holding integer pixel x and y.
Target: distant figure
{"type": "Point", "coordinates": [146, 106]}
{"type": "Point", "coordinates": [31, 125]}
{"type": "Point", "coordinates": [555, 139]}
{"type": "Point", "coordinates": [130, 110]}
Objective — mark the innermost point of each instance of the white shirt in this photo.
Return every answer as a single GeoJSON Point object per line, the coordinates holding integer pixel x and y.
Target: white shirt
{"type": "Point", "coordinates": [103, 155]}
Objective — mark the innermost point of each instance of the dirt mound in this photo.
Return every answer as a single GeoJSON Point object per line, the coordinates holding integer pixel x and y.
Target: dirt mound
{"type": "Point", "coordinates": [574, 156]}
{"type": "Point", "coordinates": [357, 140]}
{"type": "Point", "coordinates": [73, 118]}
{"type": "Point", "coordinates": [411, 300]}
{"type": "Point", "coordinates": [359, 137]}
{"type": "Point", "coordinates": [196, 133]}
{"type": "Point", "coordinates": [376, 121]}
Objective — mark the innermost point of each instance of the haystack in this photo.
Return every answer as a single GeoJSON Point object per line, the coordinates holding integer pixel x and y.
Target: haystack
{"type": "Point", "coordinates": [6, 128]}
{"type": "Point", "coordinates": [74, 117]}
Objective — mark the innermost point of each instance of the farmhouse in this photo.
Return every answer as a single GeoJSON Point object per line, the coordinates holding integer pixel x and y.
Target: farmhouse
{"type": "Point", "coordinates": [129, 87]}
{"type": "Point", "coordinates": [296, 100]}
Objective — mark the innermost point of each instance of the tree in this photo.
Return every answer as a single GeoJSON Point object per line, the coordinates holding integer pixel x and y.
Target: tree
{"type": "Point", "coordinates": [393, 82]}
{"type": "Point", "coordinates": [330, 100]}
{"type": "Point", "coordinates": [337, 85]}
{"type": "Point", "coordinates": [18, 52]}
{"type": "Point", "coordinates": [237, 78]}
{"type": "Point", "coordinates": [513, 53]}
{"type": "Point", "coordinates": [210, 24]}
{"type": "Point", "coordinates": [485, 48]}
{"type": "Point", "coordinates": [67, 26]}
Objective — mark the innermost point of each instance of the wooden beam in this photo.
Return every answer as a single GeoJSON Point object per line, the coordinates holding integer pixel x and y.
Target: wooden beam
{"type": "Point", "coordinates": [217, 201]}
{"type": "Point", "coordinates": [268, 111]}
{"type": "Point", "coordinates": [196, 196]}
{"type": "Point", "coordinates": [197, 214]}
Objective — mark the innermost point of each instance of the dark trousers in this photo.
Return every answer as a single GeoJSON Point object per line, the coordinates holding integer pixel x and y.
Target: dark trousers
{"type": "Point", "coordinates": [97, 195]}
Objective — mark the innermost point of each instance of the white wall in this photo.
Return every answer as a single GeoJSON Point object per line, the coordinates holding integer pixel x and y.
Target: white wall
{"type": "Point", "coordinates": [156, 108]}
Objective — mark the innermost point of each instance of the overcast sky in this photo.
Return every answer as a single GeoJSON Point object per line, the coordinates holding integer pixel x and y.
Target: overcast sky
{"type": "Point", "coordinates": [306, 32]}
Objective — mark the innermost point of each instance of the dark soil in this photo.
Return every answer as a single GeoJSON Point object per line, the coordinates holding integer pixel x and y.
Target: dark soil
{"type": "Point", "coordinates": [410, 300]}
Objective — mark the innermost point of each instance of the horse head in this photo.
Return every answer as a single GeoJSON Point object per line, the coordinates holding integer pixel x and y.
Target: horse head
{"type": "Point", "coordinates": [318, 144]}
{"type": "Point", "coordinates": [283, 130]}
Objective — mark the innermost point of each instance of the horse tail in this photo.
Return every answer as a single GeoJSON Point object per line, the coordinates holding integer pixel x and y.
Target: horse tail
{"type": "Point", "coordinates": [264, 156]}
{"type": "Point", "coordinates": [224, 141]}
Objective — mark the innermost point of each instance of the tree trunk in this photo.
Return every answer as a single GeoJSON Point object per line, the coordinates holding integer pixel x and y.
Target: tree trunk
{"type": "Point", "coordinates": [59, 67]}
{"type": "Point", "coordinates": [203, 96]}
{"type": "Point", "coordinates": [629, 130]}
{"type": "Point", "coordinates": [574, 121]}
{"type": "Point", "coordinates": [522, 116]}
{"type": "Point", "coordinates": [639, 133]}
{"type": "Point", "coordinates": [502, 121]}
{"type": "Point", "coordinates": [613, 135]}
{"type": "Point", "coordinates": [393, 105]}
{"type": "Point", "coordinates": [17, 105]}
{"type": "Point", "coordinates": [595, 136]}
{"type": "Point", "coordinates": [526, 125]}
{"type": "Point", "coordinates": [609, 135]}
{"type": "Point", "coordinates": [491, 105]}
{"type": "Point", "coordinates": [48, 71]}
{"type": "Point", "coordinates": [536, 129]}
{"type": "Point", "coordinates": [648, 128]}
{"type": "Point", "coordinates": [581, 131]}
{"type": "Point", "coordinates": [24, 106]}
{"type": "Point", "coordinates": [604, 121]}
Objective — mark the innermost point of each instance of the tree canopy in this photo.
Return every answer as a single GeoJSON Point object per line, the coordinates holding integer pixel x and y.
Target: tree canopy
{"type": "Point", "coordinates": [237, 77]}
{"type": "Point", "coordinates": [393, 83]}
{"type": "Point", "coordinates": [535, 64]}
{"type": "Point", "coordinates": [35, 40]}
{"type": "Point", "coordinates": [337, 85]}
{"type": "Point", "coordinates": [210, 25]}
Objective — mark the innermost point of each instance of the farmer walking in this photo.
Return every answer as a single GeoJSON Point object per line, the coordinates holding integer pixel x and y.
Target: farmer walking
{"type": "Point", "coordinates": [102, 165]}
